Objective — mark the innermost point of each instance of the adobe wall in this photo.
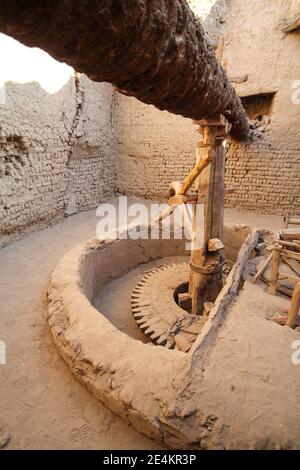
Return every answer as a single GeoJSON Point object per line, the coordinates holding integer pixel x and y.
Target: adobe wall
{"type": "Point", "coordinates": [266, 174]}
{"type": "Point", "coordinates": [57, 153]}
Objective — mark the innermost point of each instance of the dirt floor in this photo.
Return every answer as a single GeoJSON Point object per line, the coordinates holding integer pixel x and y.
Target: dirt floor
{"type": "Point", "coordinates": [41, 405]}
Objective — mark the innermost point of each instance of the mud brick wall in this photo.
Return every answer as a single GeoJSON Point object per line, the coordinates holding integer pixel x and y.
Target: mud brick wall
{"type": "Point", "coordinates": [154, 148]}
{"type": "Point", "coordinates": [57, 153]}
{"type": "Point", "coordinates": [265, 178]}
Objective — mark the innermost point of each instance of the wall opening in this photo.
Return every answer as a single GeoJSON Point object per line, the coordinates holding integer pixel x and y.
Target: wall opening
{"type": "Point", "coordinates": [257, 106]}
{"type": "Point", "coordinates": [259, 111]}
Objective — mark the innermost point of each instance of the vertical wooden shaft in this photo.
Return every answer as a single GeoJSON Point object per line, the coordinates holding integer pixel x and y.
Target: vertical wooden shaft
{"type": "Point", "coordinates": [206, 267]}
{"type": "Point", "coordinates": [294, 308]}
{"type": "Point", "coordinates": [275, 269]}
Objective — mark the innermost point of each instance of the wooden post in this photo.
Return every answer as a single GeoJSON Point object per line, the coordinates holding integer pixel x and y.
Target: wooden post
{"type": "Point", "coordinates": [205, 280]}
{"type": "Point", "coordinates": [275, 268]}
{"type": "Point", "coordinates": [294, 308]}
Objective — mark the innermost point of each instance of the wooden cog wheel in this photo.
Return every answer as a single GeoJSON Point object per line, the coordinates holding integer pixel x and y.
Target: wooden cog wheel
{"type": "Point", "coordinates": [156, 312]}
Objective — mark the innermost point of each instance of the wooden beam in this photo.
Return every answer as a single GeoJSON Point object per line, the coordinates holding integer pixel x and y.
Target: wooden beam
{"type": "Point", "coordinates": [289, 244]}
{"type": "Point", "coordinates": [294, 221]}
{"type": "Point", "coordinates": [275, 268]}
{"type": "Point", "coordinates": [241, 79]}
{"type": "Point", "coordinates": [288, 277]}
{"type": "Point", "coordinates": [290, 25]}
{"type": "Point", "coordinates": [293, 264]}
{"type": "Point", "coordinates": [291, 254]}
{"type": "Point", "coordinates": [263, 268]}
{"type": "Point", "coordinates": [294, 308]}
{"type": "Point", "coordinates": [290, 234]}
{"type": "Point", "coordinates": [195, 172]}
{"type": "Point", "coordinates": [220, 49]}
{"type": "Point", "coordinates": [217, 121]}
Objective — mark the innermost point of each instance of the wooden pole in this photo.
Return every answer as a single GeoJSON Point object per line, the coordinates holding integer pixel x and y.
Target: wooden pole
{"type": "Point", "coordinates": [205, 280]}
{"type": "Point", "coordinates": [294, 308]}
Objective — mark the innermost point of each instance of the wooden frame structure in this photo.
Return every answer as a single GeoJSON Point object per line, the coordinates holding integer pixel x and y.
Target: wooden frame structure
{"type": "Point", "coordinates": [288, 250]}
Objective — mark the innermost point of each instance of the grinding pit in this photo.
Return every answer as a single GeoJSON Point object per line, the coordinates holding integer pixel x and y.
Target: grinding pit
{"type": "Point", "coordinates": [143, 302]}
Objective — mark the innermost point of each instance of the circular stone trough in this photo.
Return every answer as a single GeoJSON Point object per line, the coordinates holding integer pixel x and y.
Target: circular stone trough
{"type": "Point", "coordinates": [140, 382]}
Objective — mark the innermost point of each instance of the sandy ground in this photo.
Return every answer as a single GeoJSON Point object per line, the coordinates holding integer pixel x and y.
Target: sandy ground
{"type": "Point", "coordinates": [41, 405]}
{"type": "Point", "coordinates": [255, 374]}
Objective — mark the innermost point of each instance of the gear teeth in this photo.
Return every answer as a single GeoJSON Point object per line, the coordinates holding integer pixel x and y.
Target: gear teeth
{"type": "Point", "coordinates": [142, 320]}
{"type": "Point", "coordinates": [149, 331]}
{"type": "Point", "coordinates": [138, 315]}
{"type": "Point", "coordinates": [145, 315]}
{"type": "Point", "coordinates": [155, 336]}
{"type": "Point", "coordinates": [162, 341]}
{"type": "Point", "coordinates": [151, 314]}
{"type": "Point", "coordinates": [137, 304]}
{"type": "Point", "coordinates": [144, 327]}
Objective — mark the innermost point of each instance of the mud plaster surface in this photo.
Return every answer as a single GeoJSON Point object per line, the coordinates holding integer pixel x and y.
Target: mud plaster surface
{"type": "Point", "coordinates": [41, 404]}
{"type": "Point", "coordinates": [264, 384]}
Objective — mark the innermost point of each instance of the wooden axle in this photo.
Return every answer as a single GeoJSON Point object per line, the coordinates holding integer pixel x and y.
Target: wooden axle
{"type": "Point", "coordinates": [205, 281]}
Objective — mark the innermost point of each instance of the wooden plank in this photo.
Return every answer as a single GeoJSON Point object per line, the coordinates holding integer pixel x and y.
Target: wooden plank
{"type": "Point", "coordinates": [289, 244]}
{"type": "Point", "coordinates": [274, 273]}
{"type": "Point", "coordinates": [288, 277]}
{"type": "Point", "coordinates": [291, 254]}
{"type": "Point", "coordinates": [220, 49]}
{"type": "Point", "coordinates": [291, 24]}
{"type": "Point", "coordinates": [293, 264]}
{"type": "Point", "coordinates": [290, 234]}
{"type": "Point", "coordinates": [218, 121]}
{"type": "Point", "coordinates": [294, 221]}
{"type": "Point", "coordinates": [294, 308]}
{"type": "Point", "coordinates": [241, 79]}
{"type": "Point", "coordinates": [229, 191]}
{"type": "Point", "coordinates": [280, 320]}
{"type": "Point", "coordinates": [263, 268]}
